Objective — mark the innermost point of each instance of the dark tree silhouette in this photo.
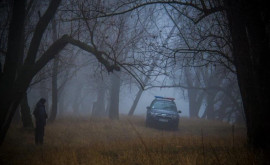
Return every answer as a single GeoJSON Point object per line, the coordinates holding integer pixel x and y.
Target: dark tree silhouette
{"type": "Point", "coordinates": [249, 26]}
{"type": "Point", "coordinates": [26, 113]}
{"type": "Point", "coordinates": [15, 79]}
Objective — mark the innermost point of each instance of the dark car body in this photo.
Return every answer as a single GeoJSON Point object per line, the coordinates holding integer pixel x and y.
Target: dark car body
{"type": "Point", "coordinates": [162, 113]}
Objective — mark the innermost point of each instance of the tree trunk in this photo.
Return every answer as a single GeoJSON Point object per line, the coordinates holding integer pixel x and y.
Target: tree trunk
{"type": "Point", "coordinates": [61, 102]}
{"type": "Point", "coordinates": [210, 113]}
{"type": "Point", "coordinates": [139, 94]}
{"type": "Point", "coordinates": [195, 96]}
{"type": "Point", "coordinates": [134, 105]}
{"type": "Point", "coordinates": [223, 108]}
{"type": "Point", "coordinates": [26, 113]}
{"type": "Point", "coordinates": [17, 117]}
{"type": "Point", "coordinates": [54, 78]}
{"type": "Point", "coordinates": [114, 96]}
{"type": "Point", "coordinates": [54, 91]}
{"type": "Point", "coordinates": [248, 25]}
{"type": "Point", "coordinates": [77, 99]}
{"type": "Point", "coordinates": [8, 101]}
{"type": "Point", "coordinates": [16, 79]}
{"type": "Point", "coordinates": [99, 106]}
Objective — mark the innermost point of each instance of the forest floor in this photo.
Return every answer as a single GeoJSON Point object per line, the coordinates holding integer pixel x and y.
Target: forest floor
{"type": "Point", "coordinates": [86, 140]}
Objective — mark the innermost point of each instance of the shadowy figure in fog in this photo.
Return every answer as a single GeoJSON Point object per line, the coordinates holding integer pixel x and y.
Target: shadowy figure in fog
{"type": "Point", "coordinates": [40, 116]}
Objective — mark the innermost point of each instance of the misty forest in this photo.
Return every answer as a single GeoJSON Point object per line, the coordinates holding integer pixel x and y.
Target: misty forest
{"type": "Point", "coordinates": [101, 72]}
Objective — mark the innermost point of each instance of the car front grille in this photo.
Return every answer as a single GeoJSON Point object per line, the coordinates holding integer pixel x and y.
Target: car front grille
{"type": "Point", "coordinates": [164, 116]}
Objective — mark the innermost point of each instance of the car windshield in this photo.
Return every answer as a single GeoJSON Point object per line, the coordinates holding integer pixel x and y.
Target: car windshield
{"type": "Point", "coordinates": [165, 105]}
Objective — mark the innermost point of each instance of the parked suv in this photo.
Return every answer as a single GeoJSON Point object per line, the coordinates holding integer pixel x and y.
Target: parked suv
{"type": "Point", "coordinates": [162, 113]}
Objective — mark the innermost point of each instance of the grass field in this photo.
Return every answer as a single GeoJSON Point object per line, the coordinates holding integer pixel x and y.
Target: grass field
{"type": "Point", "coordinates": [86, 140]}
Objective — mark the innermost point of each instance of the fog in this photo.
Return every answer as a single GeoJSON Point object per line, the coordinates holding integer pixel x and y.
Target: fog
{"type": "Point", "coordinates": [157, 53]}
{"type": "Point", "coordinates": [88, 95]}
{"type": "Point", "coordinates": [84, 72]}
{"type": "Point", "coordinates": [148, 96]}
{"type": "Point", "coordinates": [108, 65]}
{"type": "Point", "coordinates": [81, 89]}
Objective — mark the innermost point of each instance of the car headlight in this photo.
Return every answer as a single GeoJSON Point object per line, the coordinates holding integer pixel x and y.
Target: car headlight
{"type": "Point", "coordinates": [153, 114]}
{"type": "Point", "coordinates": [175, 116]}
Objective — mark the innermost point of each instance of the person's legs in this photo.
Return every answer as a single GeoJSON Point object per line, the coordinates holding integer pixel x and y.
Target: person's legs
{"type": "Point", "coordinates": [37, 132]}
{"type": "Point", "coordinates": [41, 134]}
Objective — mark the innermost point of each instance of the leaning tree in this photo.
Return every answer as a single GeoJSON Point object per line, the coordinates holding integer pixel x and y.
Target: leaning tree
{"type": "Point", "coordinates": [16, 77]}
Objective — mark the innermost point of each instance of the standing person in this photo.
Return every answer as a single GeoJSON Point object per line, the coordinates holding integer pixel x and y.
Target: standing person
{"type": "Point", "coordinates": [40, 116]}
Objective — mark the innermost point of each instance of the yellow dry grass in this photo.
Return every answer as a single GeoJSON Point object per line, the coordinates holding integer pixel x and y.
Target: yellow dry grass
{"type": "Point", "coordinates": [86, 140]}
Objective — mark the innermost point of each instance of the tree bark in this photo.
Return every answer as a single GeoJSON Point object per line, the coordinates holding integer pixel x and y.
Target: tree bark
{"type": "Point", "coordinates": [54, 78]}
{"type": "Point", "coordinates": [248, 21]}
{"type": "Point", "coordinates": [15, 42]}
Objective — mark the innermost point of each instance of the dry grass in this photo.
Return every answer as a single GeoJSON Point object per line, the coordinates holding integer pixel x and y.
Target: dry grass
{"type": "Point", "coordinates": [128, 142]}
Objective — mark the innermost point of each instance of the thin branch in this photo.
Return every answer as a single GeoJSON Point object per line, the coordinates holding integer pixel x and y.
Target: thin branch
{"type": "Point", "coordinates": [205, 11]}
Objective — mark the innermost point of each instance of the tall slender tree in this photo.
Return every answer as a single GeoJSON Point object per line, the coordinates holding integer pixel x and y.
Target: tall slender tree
{"type": "Point", "coordinates": [54, 107]}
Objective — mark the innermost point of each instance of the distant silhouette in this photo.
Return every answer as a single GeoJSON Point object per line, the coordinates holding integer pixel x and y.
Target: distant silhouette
{"type": "Point", "coordinates": [40, 116]}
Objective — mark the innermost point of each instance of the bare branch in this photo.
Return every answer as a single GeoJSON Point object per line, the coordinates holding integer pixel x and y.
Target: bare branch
{"type": "Point", "coordinates": [199, 7]}
{"type": "Point", "coordinates": [39, 31]}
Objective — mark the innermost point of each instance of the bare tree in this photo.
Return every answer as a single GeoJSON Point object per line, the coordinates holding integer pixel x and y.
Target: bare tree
{"type": "Point", "coordinates": [14, 82]}
{"type": "Point", "coordinates": [54, 77]}
{"type": "Point", "coordinates": [195, 96]}
{"type": "Point", "coordinates": [248, 25]}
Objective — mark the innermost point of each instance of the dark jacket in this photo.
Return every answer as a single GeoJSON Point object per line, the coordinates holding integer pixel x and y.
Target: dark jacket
{"type": "Point", "coordinates": [40, 114]}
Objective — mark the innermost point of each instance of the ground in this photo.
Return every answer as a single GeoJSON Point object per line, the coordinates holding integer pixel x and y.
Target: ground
{"type": "Point", "coordinates": [86, 140]}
